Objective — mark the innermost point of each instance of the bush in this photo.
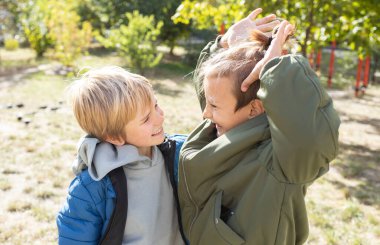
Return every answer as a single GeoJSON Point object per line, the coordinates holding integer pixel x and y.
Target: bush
{"type": "Point", "coordinates": [11, 44]}
{"type": "Point", "coordinates": [33, 23]}
{"type": "Point", "coordinates": [55, 24]}
{"type": "Point", "coordinates": [71, 38]}
{"type": "Point", "coordinates": [136, 41]}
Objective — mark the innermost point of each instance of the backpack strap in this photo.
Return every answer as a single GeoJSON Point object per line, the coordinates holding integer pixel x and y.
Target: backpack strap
{"type": "Point", "coordinates": [168, 150]}
{"type": "Point", "coordinates": [116, 226]}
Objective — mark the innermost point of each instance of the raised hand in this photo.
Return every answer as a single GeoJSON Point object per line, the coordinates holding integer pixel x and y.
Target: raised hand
{"type": "Point", "coordinates": [241, 30]}
{"type": "Point", "coordinates": [274, 50]}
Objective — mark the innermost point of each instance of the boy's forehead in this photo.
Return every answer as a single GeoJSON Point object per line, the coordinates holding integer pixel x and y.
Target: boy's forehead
{"type": "Point", "coordinates": [220, 84]}
{"type": "Point", "coordinates": [218, 90]}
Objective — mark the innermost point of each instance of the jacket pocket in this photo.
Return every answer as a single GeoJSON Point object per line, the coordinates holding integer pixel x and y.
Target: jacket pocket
{"type": "Point", "coordinates": [214, 230]}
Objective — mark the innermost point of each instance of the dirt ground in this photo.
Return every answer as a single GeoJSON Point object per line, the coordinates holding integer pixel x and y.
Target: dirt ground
{"type": "Point", "coordinates": [359, 133]}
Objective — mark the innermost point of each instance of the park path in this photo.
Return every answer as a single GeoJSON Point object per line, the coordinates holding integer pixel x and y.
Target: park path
{"type": "Point", "coordinates": [11, 78]}
{"type": "Point", "coordinates": [359, 133]}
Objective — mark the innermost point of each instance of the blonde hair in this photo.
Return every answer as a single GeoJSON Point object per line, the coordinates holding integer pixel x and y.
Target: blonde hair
{"type": "Point", "coordinates": [104, 100]}
{"type": "Point", "coordinates": [237, 62]}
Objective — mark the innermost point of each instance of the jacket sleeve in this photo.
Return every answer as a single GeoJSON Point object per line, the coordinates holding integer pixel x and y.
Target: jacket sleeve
{"type": "Point", "coordinates": [303, 123]}
{"type": "Point", "coordinates": [79, 221]}
{"type": "Point", "coordinates": [208, 50]}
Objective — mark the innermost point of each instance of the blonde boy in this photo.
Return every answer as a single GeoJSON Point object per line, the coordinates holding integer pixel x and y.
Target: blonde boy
{"type": "Point", "coordinates": [125, 187]}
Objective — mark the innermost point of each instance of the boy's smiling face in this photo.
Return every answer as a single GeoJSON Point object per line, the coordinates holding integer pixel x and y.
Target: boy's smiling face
{"type": "Point", "coordinates": [220, 105]}
{"type": "Point", "coordinates": [145, 130]}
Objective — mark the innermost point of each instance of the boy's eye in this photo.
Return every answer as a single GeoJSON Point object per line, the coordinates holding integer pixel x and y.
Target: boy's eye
{"type": "Point", "coordinates": [147, 119]}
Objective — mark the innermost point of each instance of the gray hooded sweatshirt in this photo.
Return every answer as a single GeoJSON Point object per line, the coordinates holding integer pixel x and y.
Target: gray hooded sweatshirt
{"type": "Point", "coordinates": [152, 215]}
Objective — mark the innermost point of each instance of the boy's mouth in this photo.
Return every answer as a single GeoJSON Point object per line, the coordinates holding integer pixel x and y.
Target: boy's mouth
{"type": "Point", "coordinates": [218, 130]}
{"type": "Point", "coordinates": [157, 132]}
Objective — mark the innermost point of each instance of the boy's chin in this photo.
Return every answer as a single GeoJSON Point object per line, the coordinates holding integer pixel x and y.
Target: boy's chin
{"type": "Point", "coordinates": [219, 132]}
{"type": "Point", "coordinates": [160, 137]}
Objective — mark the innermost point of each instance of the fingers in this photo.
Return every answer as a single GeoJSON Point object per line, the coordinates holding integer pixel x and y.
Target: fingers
{"type": "Point", "coordinates": [281, 35]}
{"type": "Point", "coordinates": [267, 26]}
{"type": "Point", "coordinates": [265, 20]}
{"type": "Point", "coordinates": [254, 13]}
{"type": "Point", "coordinates": [289, 30]}
{"type": "Point", "coordinates": [252, 77]}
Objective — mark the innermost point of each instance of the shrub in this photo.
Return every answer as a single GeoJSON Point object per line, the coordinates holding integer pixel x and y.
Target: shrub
{"type": "Point", "coordinates": [136, 41]}
{"type": "Point", "coordinates": [55, 24]}
{"type": "Point", "coordinates": [11, 44]}
{"type": "Point", "coordinates": [70, 38]}
{"type": "Point", "coordinates": [35, 29]}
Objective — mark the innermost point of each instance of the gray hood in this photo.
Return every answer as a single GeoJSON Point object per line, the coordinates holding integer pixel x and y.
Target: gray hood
{"type": "Point", "coordinates": [101, 157]}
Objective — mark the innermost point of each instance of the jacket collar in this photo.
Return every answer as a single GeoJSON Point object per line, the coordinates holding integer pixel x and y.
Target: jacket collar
{"type": "Point", "coordinates": [203, 143]}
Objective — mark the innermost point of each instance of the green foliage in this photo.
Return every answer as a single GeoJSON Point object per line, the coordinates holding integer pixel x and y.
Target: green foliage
{"type": "Point", "coordinates": [352, 23]}
{"type": "Point", "coordinates": [34, 26]}
{"type": "Point", "coordinates": [105, 15]}
{"type": "Point", "coordinates": [163, 11]}
{"type": "Point", "coordinates": [55, 24]}
{"type": "Point", "coordinates": [11, 44]}
{"type": "Point", "coordinates": [70, 39]}
{"type": "Point", "coordinates": [209, 14]}
{"type": "Point", "coordinates": [10, 17]}
{"type": "Point", "coordinates": [136, 41]}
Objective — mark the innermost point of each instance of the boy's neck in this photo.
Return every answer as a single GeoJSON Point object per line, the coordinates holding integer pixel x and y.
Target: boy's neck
{"type": "Point", "coordinates": [145, 151]}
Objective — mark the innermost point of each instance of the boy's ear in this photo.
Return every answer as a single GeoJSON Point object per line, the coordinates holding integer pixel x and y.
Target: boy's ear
{"type": "Point", "coordinates": [256, 108]}
{"type": "Point", "coordinates": [115, 141]}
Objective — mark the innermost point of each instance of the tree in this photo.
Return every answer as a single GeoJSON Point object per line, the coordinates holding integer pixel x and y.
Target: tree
{"type": "Point", "coordinates": [136, 41]}
{"type": "Point", "coordinates": [71, 38]}
{"type": "Point", "coordinates": [10, 13]}
{"type": "Point", "coordinates": [55, 24]}
{"type": "Point", "coordinates": [210, 13]}
{"type": "Point", "coordinates": [105, 15]}
{"type": "Point", "coordinates": [318, 22]}
{"type": "Point", "coordinates": [163, 11]}
{"type": "Point", "coordinates": [35, 28]}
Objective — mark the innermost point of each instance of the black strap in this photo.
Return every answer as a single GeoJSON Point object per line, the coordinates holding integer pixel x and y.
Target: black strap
{"type": "Point", "coordinates": [168, 149]}
{"type": "Point", "coordinates": [116, 226]}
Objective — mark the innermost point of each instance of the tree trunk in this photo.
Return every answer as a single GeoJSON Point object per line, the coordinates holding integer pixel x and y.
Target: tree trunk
{"type": "Point", "coordinates": [319, 58]}
{"type": "Point", "coordinates": [171, 51]}
{"type": "Point", "coordinates": [358, 76]}
{"type": "Point", "coordinates": [308, 29]}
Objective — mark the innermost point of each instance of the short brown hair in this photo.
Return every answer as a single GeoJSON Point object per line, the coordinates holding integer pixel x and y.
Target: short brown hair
{"type": "Point", "coordinates": [104, 100]}
{"type": "Point", "coordinates": [237, 62]}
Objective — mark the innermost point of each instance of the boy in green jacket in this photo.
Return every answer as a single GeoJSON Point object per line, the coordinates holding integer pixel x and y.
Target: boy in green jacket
{"type": "Point", "coordinates": [245, 169]}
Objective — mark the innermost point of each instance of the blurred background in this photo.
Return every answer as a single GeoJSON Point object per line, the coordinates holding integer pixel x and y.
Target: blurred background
{"type": "Point", "coordinates": [45, 43]}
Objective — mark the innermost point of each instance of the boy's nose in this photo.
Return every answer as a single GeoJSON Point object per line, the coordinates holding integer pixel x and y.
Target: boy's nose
{"type": "Point", "coordinates": [159, 115]}
{"type": "Point", "coordinates": [206, 113]}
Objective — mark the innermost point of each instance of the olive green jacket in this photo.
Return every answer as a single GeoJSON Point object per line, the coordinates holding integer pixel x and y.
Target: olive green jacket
{"type": "Point", "coordinates": [248, 185]}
